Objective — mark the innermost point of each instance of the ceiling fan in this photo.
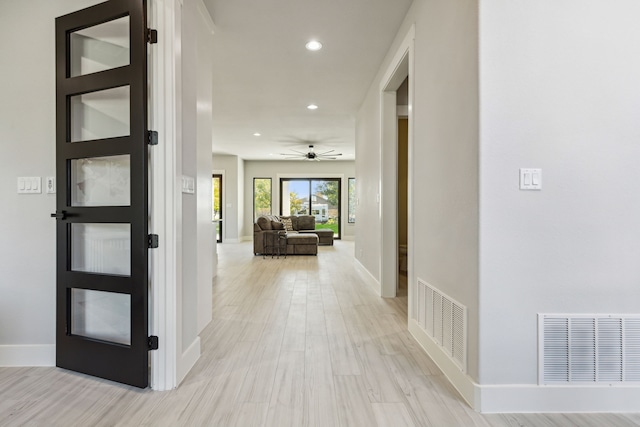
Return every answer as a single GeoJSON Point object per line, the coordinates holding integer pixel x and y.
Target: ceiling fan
{"type": "Point", "coordinates": [312, 155]}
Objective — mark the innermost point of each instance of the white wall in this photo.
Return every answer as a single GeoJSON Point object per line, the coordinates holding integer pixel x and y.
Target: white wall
{"type": "Point", "coordinates": [561, 93]}
{"type": "Point", "coordinates": [207, 249]}
{"type": "Point", "coordinates": [230, 167]}
{"type": "Point", "coordinates": [283, 169]}
{"type": "Point", "coordinates": [444, 160]}
{"type": "Point", "coordinates": [27, 148]}
{"type": "Point", "coordinates": [195, 228]}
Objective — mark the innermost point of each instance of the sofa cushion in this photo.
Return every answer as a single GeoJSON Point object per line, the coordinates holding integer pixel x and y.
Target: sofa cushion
{"type": "Point", "coordinates": [276, 225]}
{"type": "Point", "coordinates": [306, 222]}
{"type": "Point", "coordinates": [264, 223]}
{"type": "Point", "coordinates": [288, 224]}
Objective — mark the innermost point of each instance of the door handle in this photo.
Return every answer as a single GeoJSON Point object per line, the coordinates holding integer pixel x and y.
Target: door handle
{"type": "Point", "coordinates": [61, 215]}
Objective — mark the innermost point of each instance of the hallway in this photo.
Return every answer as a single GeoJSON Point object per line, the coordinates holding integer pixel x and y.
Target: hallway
{"type": "Point", "coordinates": [301, 341]}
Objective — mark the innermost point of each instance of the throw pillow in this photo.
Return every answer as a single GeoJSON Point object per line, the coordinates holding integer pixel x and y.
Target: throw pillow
{"type": "Point", "coordinates": [287, 224]}
{"type": "Point", "coordinates": [275, 225]}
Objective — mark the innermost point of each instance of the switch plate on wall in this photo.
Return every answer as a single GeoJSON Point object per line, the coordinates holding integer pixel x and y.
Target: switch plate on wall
{"type": "Point", "coordinates": [530, 179]}
{"type": "Point", "coordinates": [50, 185]}
{"type": "Point", "coordinates": [29, 185]}
{"type": "Point", "coordinates": [188, 184]}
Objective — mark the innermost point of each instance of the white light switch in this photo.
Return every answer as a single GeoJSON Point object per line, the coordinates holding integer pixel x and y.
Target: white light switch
{"type": "Point", "coordinates": [188, 184]}
{"type": "Point", "coordinates": [530, 179]}
{"type": "Point", "coordinates": [29, 185]}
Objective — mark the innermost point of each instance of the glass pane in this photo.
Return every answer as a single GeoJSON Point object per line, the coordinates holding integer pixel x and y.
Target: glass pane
{"type": "Point", "coordinates": [101, 114]}
{"type": "Point", "coordinates": [325, 201]}
{"type": "Point", "coordinates": [101, 315]}
{"type": "Point", "coordinates": [101, 181]}
{"type": "Point", "coordinates": [217, 197]}
{"type": "Point", "coordinates": [295, 197]}
{"type": "Point", "coordinates": [100, 47]}
{"type": "Point", "coordinates": [218, 231]}
{"type": "Point", "coordinates": [261, 197]}
{"type": "Point", "coordinates": [352, 200]}
{"type": "Point", "coordinates": [101, 248]}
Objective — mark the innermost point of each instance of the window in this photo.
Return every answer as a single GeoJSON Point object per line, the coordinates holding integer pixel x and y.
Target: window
{"type": "Point", "coordinates": [317, 197]}
{"type": "Point", "coordinates": [352, 201]}
{"type": "Point", "coordinates": [217, 206]}
{"type": "Point", "coordinates": [261, 197]}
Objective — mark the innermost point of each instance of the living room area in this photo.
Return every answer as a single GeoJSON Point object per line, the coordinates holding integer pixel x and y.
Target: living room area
{"type": "Point", "coordinates": [243, 190]}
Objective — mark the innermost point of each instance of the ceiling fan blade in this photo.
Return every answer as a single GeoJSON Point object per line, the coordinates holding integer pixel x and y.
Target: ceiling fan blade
{"type": "Point", "coordinates": [326, 152]}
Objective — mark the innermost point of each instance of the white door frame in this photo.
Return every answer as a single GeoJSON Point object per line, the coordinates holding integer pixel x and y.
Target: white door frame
{"type": "Point", "coordinates": [165, 190]}
{"type": "Point", "coordinates": [398, 70]}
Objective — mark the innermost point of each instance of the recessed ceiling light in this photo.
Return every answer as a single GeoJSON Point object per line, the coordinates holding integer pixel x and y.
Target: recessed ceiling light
{"type": "Point", "coordinates": [256, 134]}
{"type": "Point", "coordinates": [314, 45]}
{"type": "Point", "coordinates": [312, 107]}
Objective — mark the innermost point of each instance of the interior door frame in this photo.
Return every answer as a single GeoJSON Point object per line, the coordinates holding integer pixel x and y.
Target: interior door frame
{"type": "Point", "coordinates": [398, 70]}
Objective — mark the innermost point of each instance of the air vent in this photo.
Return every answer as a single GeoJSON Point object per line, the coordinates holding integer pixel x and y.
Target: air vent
{"type": "Point", "coordinates": [444, 320]}
{"type": "Point", "coordinates": [582, 349]}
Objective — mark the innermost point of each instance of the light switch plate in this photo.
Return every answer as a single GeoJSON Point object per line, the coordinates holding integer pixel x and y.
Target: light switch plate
{"type": "Point", "coordinates": [29, 185]}
{"type": "Point", "coordinates": [530, 179]}
{"type": "Point", "coordinates": [50, 185]}
{"type": "Point", "coordinates": [188, 184]}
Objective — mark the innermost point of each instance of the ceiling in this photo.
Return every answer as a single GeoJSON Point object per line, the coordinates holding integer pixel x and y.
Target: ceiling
{"type": "Point", "coordinates": [264, 78]}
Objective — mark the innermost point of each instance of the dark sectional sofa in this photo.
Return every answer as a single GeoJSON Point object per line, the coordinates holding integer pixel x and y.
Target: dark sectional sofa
{"type": "Point", "coordinates": [301, 239]}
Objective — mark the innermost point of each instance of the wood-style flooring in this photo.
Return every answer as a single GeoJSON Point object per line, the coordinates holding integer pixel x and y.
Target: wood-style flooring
{"type": "Point", "coordinates": [301, 341]}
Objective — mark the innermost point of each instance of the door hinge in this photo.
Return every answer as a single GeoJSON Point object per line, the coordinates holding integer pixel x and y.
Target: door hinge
{"type": "Point", "coordinates": [153, 342]}
{"type": "Point", "coordinates": [152, 36]}
{"type": "Point", "coordinates": [152, 137]}
{"type": "Point", "coordinates": [152, 241]}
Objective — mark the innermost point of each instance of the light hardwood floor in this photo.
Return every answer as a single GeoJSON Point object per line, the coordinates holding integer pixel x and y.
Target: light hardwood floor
{"type": "Point", "coordinates": [301, 341]}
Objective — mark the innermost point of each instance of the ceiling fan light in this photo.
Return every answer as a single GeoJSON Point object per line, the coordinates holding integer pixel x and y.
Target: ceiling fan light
{"type": "Point", "coordinates": [312, 107]}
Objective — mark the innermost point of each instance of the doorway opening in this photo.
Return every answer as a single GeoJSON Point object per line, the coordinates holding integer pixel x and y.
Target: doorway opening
{"type": "Point", "coordinates": [402, 199]}
{"type": "Point", "coordinates": [396, 96]}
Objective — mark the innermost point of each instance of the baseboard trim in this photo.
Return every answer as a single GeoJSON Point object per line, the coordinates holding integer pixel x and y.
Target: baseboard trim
{"type": "Point", "coordinates": [230, 241]}
{"type": "Point", "coordinates": [529, 398]}
{"type": "Point", "coordinates": [188, 359]}
{"type": "Point", "coordinates": [349, 238]}
{"type": "Point", "coordinates": [468, 389]}
{"type": "Point", "coordinates": [368, 277]}
{"type": "Point", "coordinates": [28, 355]}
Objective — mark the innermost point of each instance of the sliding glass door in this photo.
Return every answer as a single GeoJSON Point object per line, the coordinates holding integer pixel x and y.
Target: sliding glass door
{"type": "Point", "coordinates": [319, 197]}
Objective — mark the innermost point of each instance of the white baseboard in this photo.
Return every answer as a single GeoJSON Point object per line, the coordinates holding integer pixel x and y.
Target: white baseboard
{"type": "Point", "coordinates": [349, 238]}
{"type": "Point", "coordinates": [247, 238]}
{"type": "Point", "coordinates": [461, 381]}
{"type": "Point", "coordinates": [368, 277]}
{"type": "Point", "coordinates": [529, 398]}
{"type": "Point", "coordinates": [189, 358]}
{"type": "Point", "coordinates": [230, 241]}
{"type": "Point", "coordinates": [28, 355]}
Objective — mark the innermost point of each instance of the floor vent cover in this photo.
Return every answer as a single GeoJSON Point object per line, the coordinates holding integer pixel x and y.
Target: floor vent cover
{"type": "Point", "coordinates": [599, 349]}
{"type": "Point", "coordinates": [444, 320]}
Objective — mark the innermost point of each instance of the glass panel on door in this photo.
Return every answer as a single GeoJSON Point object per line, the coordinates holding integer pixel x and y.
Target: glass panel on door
{"type": "Point", "coordinates": [101, 248]}
{"type": "Point", "coordinates": [100, 315]}
{"type": "Point", "coordinates": [100, 114]}
{"type": "Point", "coordinates": [101, 181]}
{"type": "Point", "coordinates": [325, 204]}
{"type": "Point", "coordinates": [99, 48]}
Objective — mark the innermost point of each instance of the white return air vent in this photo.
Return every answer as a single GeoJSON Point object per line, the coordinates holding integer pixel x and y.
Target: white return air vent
{"type": "Point", "coordinates": [583, 349]}
{"type": "Point", "coordinates": [445, 321]}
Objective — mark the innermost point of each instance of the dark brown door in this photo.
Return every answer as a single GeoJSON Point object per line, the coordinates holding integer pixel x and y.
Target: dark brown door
{"type": "Point", "coordinates": [102, 214]}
